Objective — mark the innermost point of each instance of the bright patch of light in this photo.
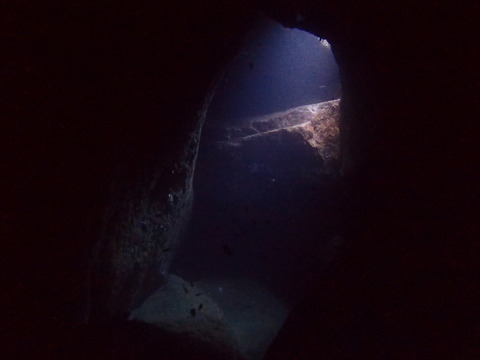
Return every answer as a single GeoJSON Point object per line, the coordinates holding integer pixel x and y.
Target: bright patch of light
{"type": "Point", "coordinates": [325, 43]}
{"type": "Point", "coordinates": [277, 69]}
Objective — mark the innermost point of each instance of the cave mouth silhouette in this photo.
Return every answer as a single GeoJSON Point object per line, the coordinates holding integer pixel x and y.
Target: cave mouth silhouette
{"type": "Point", "coordinates": [261, 208]}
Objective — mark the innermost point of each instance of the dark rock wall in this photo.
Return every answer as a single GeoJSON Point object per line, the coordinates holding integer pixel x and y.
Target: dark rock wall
{"type": "Point", "coordinates": [142, 226]}
{"type": "Point", "coordinates": [100, 125]}
{"type": "Point", "coordinates": [404, 286]}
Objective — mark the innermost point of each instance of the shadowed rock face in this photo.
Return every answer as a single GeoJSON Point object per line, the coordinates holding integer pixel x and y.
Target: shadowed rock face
{"type": "Point", "coordinates": [107, 112]}
{"type": "Point", "coordinates": [405, 278]}
{"type": "Point", "coordinates": [105, 108]}
{"type": "Point", "coordinates": [142, 227]}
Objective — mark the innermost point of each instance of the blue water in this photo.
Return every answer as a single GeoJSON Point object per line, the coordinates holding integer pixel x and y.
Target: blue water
{"type": "Point", "coordinates": [277, 68]}
{"type": "Point", "coordinates": [258, 210]}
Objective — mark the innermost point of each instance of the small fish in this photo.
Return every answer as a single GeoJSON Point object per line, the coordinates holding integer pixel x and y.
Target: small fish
{"type": "Point", "coordinates": [166, 249]}
{"type": "Point", "coordinates": [198, 294]}
{"type": "Point", "coordinates": [193, 312]}
{"type": "Point", "coordinates": [200, 307]}
{"type": "Point", "coordinates": [185, 289]}
{"type": "Point", "coordinates": [191, 284]}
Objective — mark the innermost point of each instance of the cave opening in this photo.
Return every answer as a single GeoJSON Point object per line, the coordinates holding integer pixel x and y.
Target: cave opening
{"type": "Point", "coordinates": [268, 161]}
{"type": "Point", "coordinates": [263, 161]}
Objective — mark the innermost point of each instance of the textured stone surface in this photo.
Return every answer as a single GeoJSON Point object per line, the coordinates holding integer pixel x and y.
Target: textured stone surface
{"type": "Point", "coordinates": [318, 124]}
{"type": "Point", "coordinates": [142, 227]}
{"type": "Point", "coordinates": [176, 307]}
{"type": "Point", "coordinates": [237, 317]}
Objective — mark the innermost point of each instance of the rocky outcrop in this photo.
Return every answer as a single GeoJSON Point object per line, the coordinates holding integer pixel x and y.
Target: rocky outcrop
{"type": "Point", "coordinates": [318, 124]}
{"type": "Point", "coordinates": [238, 318]}
{"type": "Point", "coordinates": [182, 307]}
{"type": "Point", "coordinates": [405, 278]}
{"type": "Point", "coordinates": [143, 225]}
{"type": "Point", "coordinates": [252, 313]}
{"type": "Point", "coordinates": [102, 128]}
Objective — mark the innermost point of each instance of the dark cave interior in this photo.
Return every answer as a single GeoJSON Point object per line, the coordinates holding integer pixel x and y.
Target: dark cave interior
{"type": "Point", "coordinates": [101, 124]}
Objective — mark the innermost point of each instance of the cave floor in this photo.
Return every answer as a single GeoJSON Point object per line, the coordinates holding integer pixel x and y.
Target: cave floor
{"type": "Point", "coordinates": [237, 316]}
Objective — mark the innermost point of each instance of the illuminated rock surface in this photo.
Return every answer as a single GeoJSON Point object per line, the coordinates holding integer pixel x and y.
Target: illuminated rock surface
{"type": "Point", "coordinates": [239, 318]}
{"type": "Point", "coordinates": [316, 123]}
{"type": "Point", "coordinates": [253, 315]}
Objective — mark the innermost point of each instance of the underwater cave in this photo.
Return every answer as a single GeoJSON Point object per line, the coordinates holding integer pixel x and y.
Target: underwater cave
{"type": "Point", "coordinates": [263, 194]}
{"type": "Point", "coordinates": [175, 186]}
